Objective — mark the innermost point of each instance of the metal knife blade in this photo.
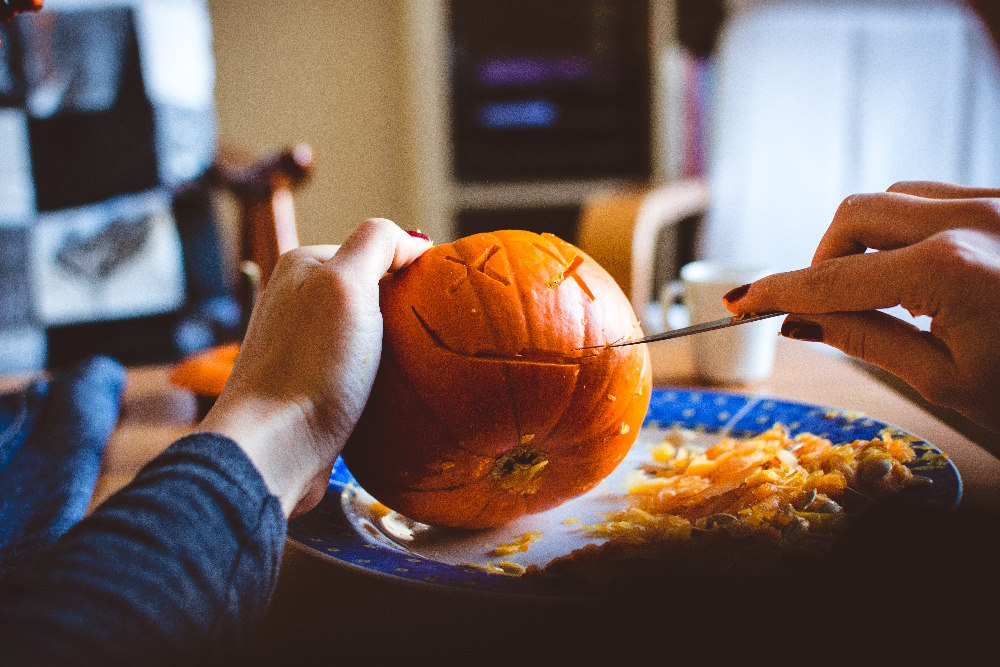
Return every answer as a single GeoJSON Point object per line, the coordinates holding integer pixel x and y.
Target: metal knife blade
{"type": "Point", "coordinates": [693, 329]}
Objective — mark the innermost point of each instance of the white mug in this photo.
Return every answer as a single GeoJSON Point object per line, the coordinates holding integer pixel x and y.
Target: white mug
{"type": "Point", "coordinates": [735, 355]}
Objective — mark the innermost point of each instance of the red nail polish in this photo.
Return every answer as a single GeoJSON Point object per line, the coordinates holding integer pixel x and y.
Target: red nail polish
{"type": "Point", "coordinates": [802, 330]}
{"type": "Point", "coordinates": [418, 234]}
{"type": "Point", "coordinates": [736, 293]}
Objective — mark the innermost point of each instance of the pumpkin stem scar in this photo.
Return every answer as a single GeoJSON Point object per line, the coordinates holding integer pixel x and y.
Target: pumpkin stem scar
{"type": "Point", "coordinates": [520, 470]}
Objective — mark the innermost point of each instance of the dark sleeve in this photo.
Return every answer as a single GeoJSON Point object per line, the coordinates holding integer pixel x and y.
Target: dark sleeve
{"type": "Point", "coordinates": [176, 568]}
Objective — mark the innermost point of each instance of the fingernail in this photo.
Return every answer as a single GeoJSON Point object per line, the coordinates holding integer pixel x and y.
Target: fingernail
{"type": "Point", "coordinates": [418, 234]}
{"type": "Point", "coordinates": [736, 293]}
{"type": "Point", "coordinates": [802, 330]}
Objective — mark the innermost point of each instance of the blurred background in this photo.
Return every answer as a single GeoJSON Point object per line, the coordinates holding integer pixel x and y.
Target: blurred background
{"type": "Point", "coordinates": [382, 89]}
{"type": "Point", "coordinates": [651, 132]}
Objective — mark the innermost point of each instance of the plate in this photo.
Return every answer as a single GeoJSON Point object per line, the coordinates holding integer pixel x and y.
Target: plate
{"type": "Point", "coordinates": [349, 528]}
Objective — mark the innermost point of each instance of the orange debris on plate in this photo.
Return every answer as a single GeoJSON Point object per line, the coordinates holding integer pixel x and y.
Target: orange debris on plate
{"type": "Point", "coordinates": [694, 507]}
{"type": "Point", "coordinates": [518, 544]}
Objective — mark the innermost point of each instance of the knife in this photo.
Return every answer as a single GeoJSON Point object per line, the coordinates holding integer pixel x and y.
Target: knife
{"type": "Point", "coordinates": [693, 329]}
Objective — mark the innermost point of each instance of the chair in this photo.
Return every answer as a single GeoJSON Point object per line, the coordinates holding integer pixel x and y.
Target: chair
{"type": "Point", "coordinates": [109, 233]}
{"type": "Point", "coordinates": [267, 226]}
{"type": "Point", "coordinates": [643, 237]}
{"type": "Point", "coordinates": [267, 229]}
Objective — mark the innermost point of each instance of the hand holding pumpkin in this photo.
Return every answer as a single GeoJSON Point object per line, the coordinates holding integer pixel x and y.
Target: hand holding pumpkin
{"type": "Point", "coordinates": [939, 255]}
{"type": "Point", "coordinates": [309, 358]}
{"type": "Point", "coordinates": [496, 394]}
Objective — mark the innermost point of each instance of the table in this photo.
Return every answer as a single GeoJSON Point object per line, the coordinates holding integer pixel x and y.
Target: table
{"type": "Point", "coordinates": [308, 608]}
{"type": "Point", "coordinates": [313, 596]}
{"type": "Point", "coordinates": [154, 413]}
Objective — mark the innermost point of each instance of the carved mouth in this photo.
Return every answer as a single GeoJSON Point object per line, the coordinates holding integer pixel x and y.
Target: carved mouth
{"type": "Point", "coordinates": [523, 356]}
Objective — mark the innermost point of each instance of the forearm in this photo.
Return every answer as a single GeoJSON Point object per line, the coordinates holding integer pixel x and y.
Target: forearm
{"type": "Point", "coordinates": [275, 436]}
{"type": "Point", "coordinates": [178, 567]}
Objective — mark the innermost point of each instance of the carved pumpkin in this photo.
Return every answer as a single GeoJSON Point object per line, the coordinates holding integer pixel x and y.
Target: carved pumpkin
{"type": "Point", "coordinates": [488, 403]}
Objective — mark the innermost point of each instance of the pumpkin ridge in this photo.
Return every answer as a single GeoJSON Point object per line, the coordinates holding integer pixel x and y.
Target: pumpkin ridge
{"type": "Point", "coordinates": [516, 283]}
{"type": "Point", "coordinates": [623, 406]}
{"type": "Point", "coordinates": [479, 297]}
{"type": "Point", "coordinates": [568, 269]}
{"type": "Point", "coordinates": [489, 502]}
{"type": "Point", "coordinates": [513, 403]}
{"type": "Point", "coordinates": [430, 411]}
{"type": "Point", "coordinates": [524, 313]}
{"type": "Point", "coordinates": [454, 438]}
{"type": "Point", "coordinates": [505, 361]}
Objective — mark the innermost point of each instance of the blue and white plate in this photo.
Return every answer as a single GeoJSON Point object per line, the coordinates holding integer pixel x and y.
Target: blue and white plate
{"type": "Point", "coordinates": [353, 531]}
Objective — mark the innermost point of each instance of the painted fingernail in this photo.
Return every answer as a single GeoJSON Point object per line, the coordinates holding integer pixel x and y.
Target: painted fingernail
{"type": "Point", "coordinates": [418, 234]}
{"type": "Point", "coordinates": [736, 293]}
{"type": "Point", "coordinates": [802, 330]}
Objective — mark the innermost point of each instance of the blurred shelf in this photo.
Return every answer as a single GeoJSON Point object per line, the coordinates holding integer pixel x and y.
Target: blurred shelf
{"type": "Point", "coordinates": [524, 194]}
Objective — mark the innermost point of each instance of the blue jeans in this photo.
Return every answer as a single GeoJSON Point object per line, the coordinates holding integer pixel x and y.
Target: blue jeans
{"type": "Point", "coordinates": [52, 439]}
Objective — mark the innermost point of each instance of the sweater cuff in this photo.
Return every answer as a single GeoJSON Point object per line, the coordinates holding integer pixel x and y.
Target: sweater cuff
{"type": "Point", "coordinates": [220, 454]}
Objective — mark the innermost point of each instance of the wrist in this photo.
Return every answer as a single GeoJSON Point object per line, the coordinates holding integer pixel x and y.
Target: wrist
{"type": "Point", "coordinates": [276, 438]}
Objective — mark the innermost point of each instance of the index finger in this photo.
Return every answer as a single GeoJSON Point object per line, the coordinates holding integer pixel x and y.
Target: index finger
{"type": "Point", "coordinates": [854, 283]}
{"type": "Point", "coordinates": [935, 190]}
{"type": "Point", "coordinates": [889, 220]}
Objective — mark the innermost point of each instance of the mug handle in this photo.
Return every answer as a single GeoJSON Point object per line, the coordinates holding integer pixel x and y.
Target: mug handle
{"type": "Point", "coordinates": [673, 311]}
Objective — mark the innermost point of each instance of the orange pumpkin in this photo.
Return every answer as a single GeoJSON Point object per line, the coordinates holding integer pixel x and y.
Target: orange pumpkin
{"type": "Point", "coordinates": [496, 395]}
{"type": "Point", "coordinates": [206, 373]}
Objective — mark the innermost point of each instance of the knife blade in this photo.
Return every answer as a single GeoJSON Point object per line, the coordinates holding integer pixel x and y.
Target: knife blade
{"type": "Point", "coordinates": [693, 329]}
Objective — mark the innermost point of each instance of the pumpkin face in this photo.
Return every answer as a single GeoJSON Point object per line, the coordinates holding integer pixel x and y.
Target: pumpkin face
{"type": "Point", "coordinates": [488, 403]}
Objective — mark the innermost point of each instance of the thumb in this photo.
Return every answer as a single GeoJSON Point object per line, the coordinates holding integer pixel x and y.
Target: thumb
{"type": "Point", "coordinates": [375, 248]}
{"type": "Point", "coordinates": [913, 355]}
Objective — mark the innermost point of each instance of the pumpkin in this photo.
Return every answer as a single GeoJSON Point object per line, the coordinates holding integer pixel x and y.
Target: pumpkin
{"type": "Point", "coordinates": [497, 394]}
{"type": "Point", "coordinates": [205, 374]}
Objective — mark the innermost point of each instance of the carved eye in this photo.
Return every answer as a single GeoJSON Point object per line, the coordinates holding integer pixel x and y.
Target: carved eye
{"type": "Point", "coordinates": [570, 270]}
{"type": "Point", "coordinates": [478, 265]}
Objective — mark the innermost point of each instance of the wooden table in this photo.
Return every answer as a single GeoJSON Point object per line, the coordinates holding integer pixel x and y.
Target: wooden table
{"type": "Point", "coordinates": [313, 596]}
{"type": "Point", "coordinates": [315, 600]}
{"type": "Point", "coordinates": [154, 413]}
